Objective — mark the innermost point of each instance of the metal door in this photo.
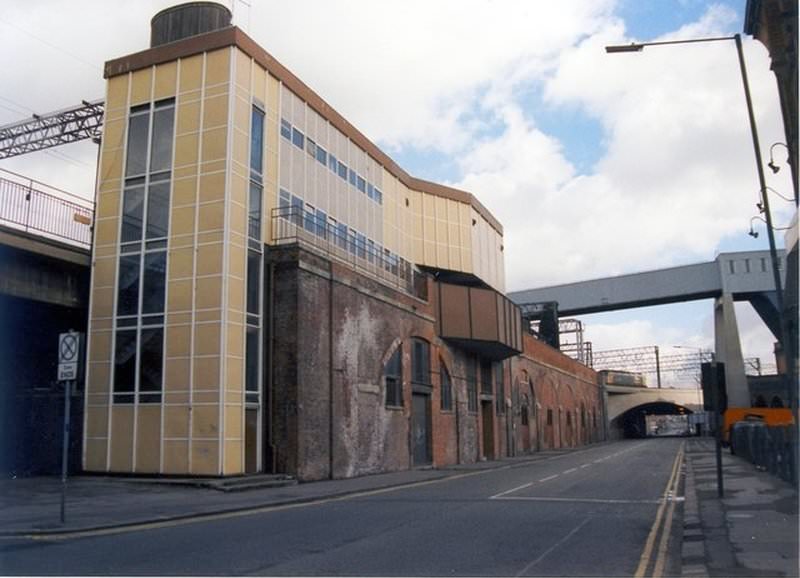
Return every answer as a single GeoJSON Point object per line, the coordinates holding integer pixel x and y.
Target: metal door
{"type": "Point", "coordinates": [421, 429]}
{"type": "Point", "coordinates": [251, 440]}
{"type": "Point", "coordinates": [488, 430]}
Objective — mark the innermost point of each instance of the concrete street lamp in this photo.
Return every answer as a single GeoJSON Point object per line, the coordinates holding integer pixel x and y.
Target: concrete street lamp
{"type": "Point", "coordinates": [701, 354]}
{"type": "Point", "coordinates": [638, 47]}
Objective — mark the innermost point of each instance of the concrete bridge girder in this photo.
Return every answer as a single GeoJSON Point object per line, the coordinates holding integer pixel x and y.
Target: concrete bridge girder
{"type": "Point", "coordinates": [43, 270]}
{"type": "Point", "coordinates": [622, 399]}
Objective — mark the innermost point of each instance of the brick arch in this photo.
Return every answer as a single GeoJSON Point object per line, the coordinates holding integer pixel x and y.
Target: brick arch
{"type": "Point", "coordinates": [529, 434]}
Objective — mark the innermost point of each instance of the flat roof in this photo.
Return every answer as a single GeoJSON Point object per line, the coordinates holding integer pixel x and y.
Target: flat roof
{"type": "Point", "coordinates": [233, 36]}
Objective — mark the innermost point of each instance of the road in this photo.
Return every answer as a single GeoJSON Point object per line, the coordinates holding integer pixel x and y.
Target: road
{"type": "Point", "coordinates": [602, 511]}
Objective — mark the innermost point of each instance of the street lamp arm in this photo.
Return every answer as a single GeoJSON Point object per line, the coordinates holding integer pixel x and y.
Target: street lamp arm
{"type": "Point", "coordinates": [638, 46]}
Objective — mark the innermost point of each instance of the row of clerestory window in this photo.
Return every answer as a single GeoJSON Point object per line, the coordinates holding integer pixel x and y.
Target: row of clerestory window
{"type": "Point", "coordinates": [297, 138]}
{"type": "Point", "coordinates": [317, 222]}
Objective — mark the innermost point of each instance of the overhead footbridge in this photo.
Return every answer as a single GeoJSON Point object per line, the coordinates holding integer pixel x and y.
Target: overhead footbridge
{"type": "Point", "coordinates": [740, 276]}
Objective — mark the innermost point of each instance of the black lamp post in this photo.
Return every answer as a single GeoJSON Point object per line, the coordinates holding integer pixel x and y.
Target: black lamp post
{"type": "Point", "coordinates": [638, 47]}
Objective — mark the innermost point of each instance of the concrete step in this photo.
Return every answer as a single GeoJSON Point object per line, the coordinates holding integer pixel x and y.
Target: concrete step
{"type": "Point", "coordinates": [254, 482]}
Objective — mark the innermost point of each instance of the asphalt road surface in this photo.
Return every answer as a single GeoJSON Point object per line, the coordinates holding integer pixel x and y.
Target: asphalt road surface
{"type": "Point", "coordinates": [610, 510]}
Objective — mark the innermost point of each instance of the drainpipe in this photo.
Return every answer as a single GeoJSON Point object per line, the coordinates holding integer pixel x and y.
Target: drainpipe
{"type": "Point", "coordinates": [270, 369]}
{"type": "Point", "coordinates": [458, 425]}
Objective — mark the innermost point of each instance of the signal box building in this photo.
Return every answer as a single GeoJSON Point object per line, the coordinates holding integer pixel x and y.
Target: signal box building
{"type": "Point", "coordinates": [272, 293]}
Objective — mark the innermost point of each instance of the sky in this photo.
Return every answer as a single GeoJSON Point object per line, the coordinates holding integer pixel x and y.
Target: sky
{"type": "Point", "coordinates": [596, 164]}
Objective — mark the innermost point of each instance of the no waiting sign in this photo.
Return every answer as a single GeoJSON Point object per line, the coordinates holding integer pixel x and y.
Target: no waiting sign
{"type": "Point", "coordinates": [69, 347]}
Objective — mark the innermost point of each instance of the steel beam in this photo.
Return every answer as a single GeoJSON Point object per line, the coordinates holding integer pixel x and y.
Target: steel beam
{"type": "Point", "coordinates": [52, 129]}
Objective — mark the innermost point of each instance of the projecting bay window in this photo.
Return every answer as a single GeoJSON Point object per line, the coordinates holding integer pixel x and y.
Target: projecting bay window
{"type": "Point", "coordinates": [252, 376]}
{"type": "Point", "coordinates": [142, 265]}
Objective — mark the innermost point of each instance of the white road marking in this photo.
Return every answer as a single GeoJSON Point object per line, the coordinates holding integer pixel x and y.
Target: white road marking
{"type": "Point", "coordinates": [548, 478]}
{"type": "Point", "coordinates": [553, 547]}
{"type": "Point", "coordinates": [586, 500]}
{"type": "Point", "coordinates": [569, 471]}
{"type": "Point", "coordinates": [586, 465]}
{"type": "Point", "coordinates": [511, 491]}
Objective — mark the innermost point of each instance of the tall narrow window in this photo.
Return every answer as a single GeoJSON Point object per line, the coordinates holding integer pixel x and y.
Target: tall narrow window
{"type": "Point", "coordinates": [472, 385]}
{"type": "Point", "coordinates": [393, 379]}
{"type": "Point", "coordinates": [420, 362]}
{"type": "Point", "coordinates": [255, 256]}
{"type": "Point", "coordinates": [486, 377]}
{"type": "Point", "coordinates": [523, 412]}
{"type": "Point", "coordinates": [500, 387]}
{"type": "Point", "coordinates": [142, 266]}
{"type": "Point", "coordinates": [256, 173]}
{"type": "Point", "coordinates": [446, 394]}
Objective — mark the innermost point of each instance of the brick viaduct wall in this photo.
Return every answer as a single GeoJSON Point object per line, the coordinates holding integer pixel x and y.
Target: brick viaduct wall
{"type": "Point", "coordinates": [334, 330]}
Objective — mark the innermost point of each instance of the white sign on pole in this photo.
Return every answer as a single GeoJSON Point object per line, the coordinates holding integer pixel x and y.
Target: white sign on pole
{"type": "Point", "coordinates": [68, 355]}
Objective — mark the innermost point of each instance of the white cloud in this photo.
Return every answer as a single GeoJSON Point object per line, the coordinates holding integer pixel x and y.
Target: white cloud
{"type": "Point", "coordinates": [676, 173]}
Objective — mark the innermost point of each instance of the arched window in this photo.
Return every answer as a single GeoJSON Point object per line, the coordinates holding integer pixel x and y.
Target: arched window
{"type": "Point", "coordinates": [446, 387]}
{"type": "Point", "coordinates": [760, 402]}
{"type": "Point", "coordinates": [776, 402]}
{"type": "Point", "coordinates": [393, 378]}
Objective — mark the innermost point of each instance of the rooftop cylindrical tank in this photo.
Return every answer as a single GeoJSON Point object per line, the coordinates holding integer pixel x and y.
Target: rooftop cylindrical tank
{"type": "Point", "coordinates": [185, 20]}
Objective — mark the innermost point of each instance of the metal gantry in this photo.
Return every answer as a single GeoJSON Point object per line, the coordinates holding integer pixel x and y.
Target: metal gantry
{"type": "Point", "coordinates": [52, 129]}
{"type": "Point", "coordinates": [650, 360]}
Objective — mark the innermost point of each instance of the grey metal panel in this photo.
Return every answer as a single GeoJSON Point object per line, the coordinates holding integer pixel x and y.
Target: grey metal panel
{"type": "Point", "coordinates": [748, 272]}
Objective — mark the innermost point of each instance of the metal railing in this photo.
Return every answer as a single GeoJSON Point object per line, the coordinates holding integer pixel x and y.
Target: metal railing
{"type": "Point", "coordinates": [33, 206]}
{"type": "Point", "coordinates": [294, 225]}
{"type": "Point", "coordinates": [770, 448]}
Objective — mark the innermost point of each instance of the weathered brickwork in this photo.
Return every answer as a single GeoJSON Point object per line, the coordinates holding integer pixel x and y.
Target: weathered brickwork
{"type": "Point", "coordinates": [334, 331]}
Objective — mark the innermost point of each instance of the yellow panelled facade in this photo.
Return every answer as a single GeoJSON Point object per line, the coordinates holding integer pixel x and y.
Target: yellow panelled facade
{"type": "Point", "coordinates": [441, 232]}
{"type": "Point", "coordinates": [197, 427]}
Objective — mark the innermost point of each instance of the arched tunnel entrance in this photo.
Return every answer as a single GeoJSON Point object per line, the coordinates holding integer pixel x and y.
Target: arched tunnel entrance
{"type": "Point", "coordinates": [655, 419]}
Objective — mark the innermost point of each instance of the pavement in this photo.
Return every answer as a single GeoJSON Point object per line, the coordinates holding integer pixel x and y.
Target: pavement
{"type": "Point", "coordinates": [30, 507]}
{"type": "Point", "coordinates": [751, 531]}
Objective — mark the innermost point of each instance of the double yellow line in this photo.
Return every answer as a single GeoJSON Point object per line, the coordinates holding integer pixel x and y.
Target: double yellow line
{"type": "Point", "coordinates": [662, 523]}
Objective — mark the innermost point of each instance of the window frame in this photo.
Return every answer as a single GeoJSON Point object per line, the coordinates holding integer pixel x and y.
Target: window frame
{"type": "Point", "coordinates": [420, 362]}
{"type": "Point", "coordinates": [445, 388]}
{"type": "Point", "coordinates": [393, 379]}
{"type": "Point", "coordinates": [472, 385]}
{"type": "Point", "coordinates": [147, 254]}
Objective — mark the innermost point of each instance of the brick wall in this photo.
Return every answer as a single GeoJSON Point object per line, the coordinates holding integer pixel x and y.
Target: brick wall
{"type": "Point", "coordinates": [334, 330]}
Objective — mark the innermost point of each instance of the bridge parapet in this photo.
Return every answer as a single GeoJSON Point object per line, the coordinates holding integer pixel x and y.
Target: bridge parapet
{"type": "Point", "coordinates": [34, 207]}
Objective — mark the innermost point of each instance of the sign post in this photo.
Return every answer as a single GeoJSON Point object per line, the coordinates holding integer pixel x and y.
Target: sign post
{"type": "Point", "coordinates": [715, 398]}
{"type": "Point", "coordinates": [69, 358]}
